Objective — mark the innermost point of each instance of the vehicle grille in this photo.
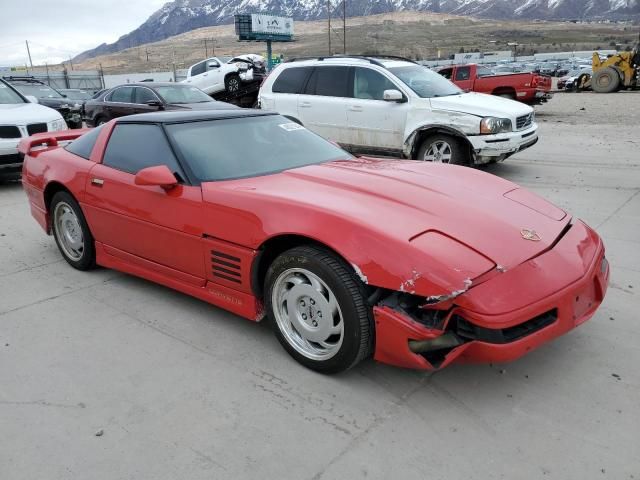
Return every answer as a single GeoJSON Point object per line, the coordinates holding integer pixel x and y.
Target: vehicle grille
{"type": "Point", "coordinates": [9, 132]}
{"type": "Point", "coordinates": [226, 267]}
{"type": "Point", "coordinates": [470, 331]}
{"type": "Point", "coordinates": [9, 159]}
{"type": "Point", "coordinates": [36, 128]}
{"type": "Point", "coordinates": [524, 121]}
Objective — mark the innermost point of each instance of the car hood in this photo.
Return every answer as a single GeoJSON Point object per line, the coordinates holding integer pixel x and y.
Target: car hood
{"type": "Point", "coordinates": [25, 113]}
{"type": "Point", "coordinates": [404, 199]}
{"type": "Point", "coordinates": [481, 105]}
{"type": "Point", "coordinates": [59, 103]}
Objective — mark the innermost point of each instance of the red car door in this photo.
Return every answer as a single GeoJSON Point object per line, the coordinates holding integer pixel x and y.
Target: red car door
{"type": "Point", "coordinates": [159, 228]}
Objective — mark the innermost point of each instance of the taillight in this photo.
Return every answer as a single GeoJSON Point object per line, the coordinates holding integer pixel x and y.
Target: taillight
{"type": "Point", "coordinates": [534, 82]}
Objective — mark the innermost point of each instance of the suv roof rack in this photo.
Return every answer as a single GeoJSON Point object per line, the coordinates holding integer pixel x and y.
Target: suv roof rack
{"type": "Point", "coordinates": [22, 78]}
{"type": "Point", "coordinates": [370, 59]}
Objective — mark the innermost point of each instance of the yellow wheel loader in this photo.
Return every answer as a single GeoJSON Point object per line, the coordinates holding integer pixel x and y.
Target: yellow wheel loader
{"type": "Point", "coordinates": [616, 71]}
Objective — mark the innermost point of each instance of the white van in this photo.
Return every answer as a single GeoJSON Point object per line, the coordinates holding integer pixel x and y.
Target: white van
{"type": "Point", "coordinates": [395, 107]}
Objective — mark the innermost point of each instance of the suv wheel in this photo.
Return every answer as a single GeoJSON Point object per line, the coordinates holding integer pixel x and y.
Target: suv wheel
{"type": "Point", "coordinates": [232, 83]}
{"type": "Point", "coordinates": [441, 148]}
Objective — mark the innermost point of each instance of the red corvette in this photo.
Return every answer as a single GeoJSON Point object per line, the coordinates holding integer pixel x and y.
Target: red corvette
{"type": "Point", "coordinates": [418, 265]}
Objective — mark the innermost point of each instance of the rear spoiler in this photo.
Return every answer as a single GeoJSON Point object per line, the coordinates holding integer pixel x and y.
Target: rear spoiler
{"type": "Point", "coordinates": [48, 140]}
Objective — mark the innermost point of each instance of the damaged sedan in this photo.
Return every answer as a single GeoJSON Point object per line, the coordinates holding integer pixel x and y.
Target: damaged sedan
{"type": "Point", "coordinates": [415, 264]}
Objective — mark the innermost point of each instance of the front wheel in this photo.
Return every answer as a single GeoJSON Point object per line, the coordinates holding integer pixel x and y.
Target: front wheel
{"type": "Point", "coordinates": [232, 83]}
{"type": "Point", "coordinates": [442, 148]}
{"type": "Point", "coordinates": [71, 232]}
{"type": "Point", "coordinates": [318, 309]}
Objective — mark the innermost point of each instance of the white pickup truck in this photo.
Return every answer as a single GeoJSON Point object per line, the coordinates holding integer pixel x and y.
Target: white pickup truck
{"type": "Point", "coordinates": [217, 74]}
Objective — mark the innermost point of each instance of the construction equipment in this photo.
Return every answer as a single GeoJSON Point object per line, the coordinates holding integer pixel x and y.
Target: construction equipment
{"type": "Point", "coordinates": [616, 72]}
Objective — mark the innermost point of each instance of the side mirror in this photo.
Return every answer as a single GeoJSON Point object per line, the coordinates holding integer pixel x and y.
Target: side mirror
{"type": "Point", "coordinates": [31, 98]}
{"type": "Point", "coordinates": [393, 96]}
{"type": "Point", "coordinates": [213, 65]}
{"type": "Point", "coordinates": [154, 103]}
{"type": "Point", "coordinates": [159, 176]}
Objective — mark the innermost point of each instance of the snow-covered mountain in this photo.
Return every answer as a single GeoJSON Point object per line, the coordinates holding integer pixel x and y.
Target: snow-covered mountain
{"type": "Point", "coordinates": [180, 16]}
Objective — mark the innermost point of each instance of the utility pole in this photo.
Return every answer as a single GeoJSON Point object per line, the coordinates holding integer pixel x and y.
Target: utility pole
{"type": "Point", "coordinates": [70, 63]}
{"type": "Point", "coordinates": [213, 47]}
{"type": "Point", "coordinates": [329, 19]}
{"type": "Point", "coordinates": [206, 50]}
{"type": "Point", "coordinates": [29, 53]}
{"type": "Point", "coordinates": [146, 50]}
{"type": "Point", "coordinates": [344, 26]}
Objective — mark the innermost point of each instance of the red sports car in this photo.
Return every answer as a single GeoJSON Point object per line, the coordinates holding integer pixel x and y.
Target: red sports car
{"type": "Point", "coordinates": [418, 265]}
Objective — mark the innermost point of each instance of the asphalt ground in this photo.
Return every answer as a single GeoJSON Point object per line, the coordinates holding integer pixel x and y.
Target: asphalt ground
{"type": "Point", "coordinates": [106, 376]}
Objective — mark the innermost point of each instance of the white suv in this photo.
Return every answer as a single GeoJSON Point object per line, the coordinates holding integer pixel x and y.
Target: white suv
{"type": "Point", "coordinates": [395, 107]}
{"type": "Point", "coordinates": [213, 75]}
{"type": "Point", "coordinates": [20, 117]}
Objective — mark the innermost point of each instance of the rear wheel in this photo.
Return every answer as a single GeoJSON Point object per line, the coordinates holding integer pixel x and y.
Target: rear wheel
{"type": "Point", "coordinates": [442, 148]}
{"type": "Point", "coordinates": [71, 232]}
{"type": "Point", "coordinates": [508, 95]}
{"type": "Point", "coordinates": [319, 310]}
{"type": "Point", "coordinates": [605, 80]}
{"type": "Point", "coordinates": [100, 121]}
{"type": "Point", "coordinates": [232, 83]}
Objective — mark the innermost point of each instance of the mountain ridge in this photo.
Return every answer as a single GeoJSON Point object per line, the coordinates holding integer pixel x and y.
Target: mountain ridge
{"type": "Point", "coordinates": [180, 16]}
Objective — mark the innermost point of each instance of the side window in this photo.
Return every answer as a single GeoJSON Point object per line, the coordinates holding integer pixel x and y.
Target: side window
{"type": "Point", "coordinates": [446, 73]}
{"type": "Point", "coordinates": [143, 95]}
{"type": "Point", "coordinates": [329, 82]}
{"type": "Point", "coordinates": [463, 73]}
{"type": "Point", "coordinates": [122, 95]}
{"type": "Point", "coordinates": [199, 68]}
{"type": "Point", "coordinates": [133, 147]}
{"type": "Point", "coordinates": [369, 84]}
{"type": "Point", "coordinates": [82, 146]}
{"type": "Point", "coordinates": [291, 80]}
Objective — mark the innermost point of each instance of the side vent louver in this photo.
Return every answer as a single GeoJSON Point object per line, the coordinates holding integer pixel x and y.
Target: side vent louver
{"type": "Point", "coordinates": [226, 267]}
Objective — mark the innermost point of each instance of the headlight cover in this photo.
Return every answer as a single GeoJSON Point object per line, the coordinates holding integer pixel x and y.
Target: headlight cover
{"type": "Point", "coordinates": [57, 125]}
{"type": "Point", "coordinates": [492, 125]}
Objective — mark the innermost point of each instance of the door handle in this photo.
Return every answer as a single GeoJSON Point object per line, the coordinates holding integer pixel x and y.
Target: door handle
{"type": "Point", "coordinates": [355, 108]}
{"type": "Point", "coordinates": [98, 182]}
{"type": "Point", "coordinates": [305, 104]}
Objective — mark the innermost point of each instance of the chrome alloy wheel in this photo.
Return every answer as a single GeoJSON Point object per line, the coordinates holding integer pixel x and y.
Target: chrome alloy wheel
{"type": "Point", "coordinates": [68, 231]}
{"type": "Point", "coordinates": [307, 314]}
{"type": "Point", "coordinates": [439, 152]}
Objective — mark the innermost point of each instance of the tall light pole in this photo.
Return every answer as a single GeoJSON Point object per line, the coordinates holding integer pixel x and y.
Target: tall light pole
{"type": "Point", "coordinates": [515, 49]}
{"type": "Point", "coordinates": [344, 26]}
{"type": "Point", "coordinates": [329, 20]}
{"type": "Point", "coordinates": [29, 53]}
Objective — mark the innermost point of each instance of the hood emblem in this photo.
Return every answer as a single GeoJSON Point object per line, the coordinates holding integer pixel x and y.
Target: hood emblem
{"type": "Point", "coordinates": [530, 235]}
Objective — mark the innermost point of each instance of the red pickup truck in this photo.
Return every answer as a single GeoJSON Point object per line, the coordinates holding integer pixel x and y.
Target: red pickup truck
{"type": "Point", "coordinates": [530, 88]}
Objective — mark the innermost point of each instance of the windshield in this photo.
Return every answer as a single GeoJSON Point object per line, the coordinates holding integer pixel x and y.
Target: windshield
{"type": "Point", "coordinates": [77, 94]}
{"type": "Point", "coordinates": [38, 91]}
{"type": "Point", "coordinates": [424, 82]}
{"type": "Point", "coordinates": [182, 94]}
{"type": "Point", "coordinates": [249, 147]}
{"type": "Point", "coordinates": [7, 95]}
{"type": "Point", "coordinates": [484, 72]}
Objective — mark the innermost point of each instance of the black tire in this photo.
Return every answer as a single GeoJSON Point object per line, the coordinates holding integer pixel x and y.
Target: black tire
{"type": "Point", "coordinates": [87, 259]}
{"type": "Point", "coordinates": [350, 294]}
{"type": "Point", "coordinates": [232, 83]}
{"type": "Point", "coordinates": [99, 120]}
{"type": "Point", "coordinates": [459, 152]}
{"type": "Point", "coordinates": [605, 80]}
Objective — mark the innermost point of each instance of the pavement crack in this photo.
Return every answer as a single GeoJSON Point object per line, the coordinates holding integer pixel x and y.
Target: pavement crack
{"type": "Point", "coordinates": [617, 210]}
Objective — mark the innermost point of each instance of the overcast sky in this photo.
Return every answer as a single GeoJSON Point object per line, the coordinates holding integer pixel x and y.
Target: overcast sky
{"type": "Point", "coordinates": [57, 29]}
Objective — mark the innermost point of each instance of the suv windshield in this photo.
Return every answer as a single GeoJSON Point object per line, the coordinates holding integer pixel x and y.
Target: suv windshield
{"type": "Point", "coordinates": [182, 94]}
{"type": "Point", "coordinates": [7, 95]}
{"type": "Point", "coordinates": [38, 91]}
{"type": "Point", "coordinates": [424, 82]}
{"type": "Point", "coordinates": [249, 147]}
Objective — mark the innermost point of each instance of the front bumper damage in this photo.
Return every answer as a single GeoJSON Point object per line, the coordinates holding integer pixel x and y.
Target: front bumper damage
{"type": "Point", "coordinates": [499, 147]}
{"type": "Point", "coordinates": [502, 318]}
